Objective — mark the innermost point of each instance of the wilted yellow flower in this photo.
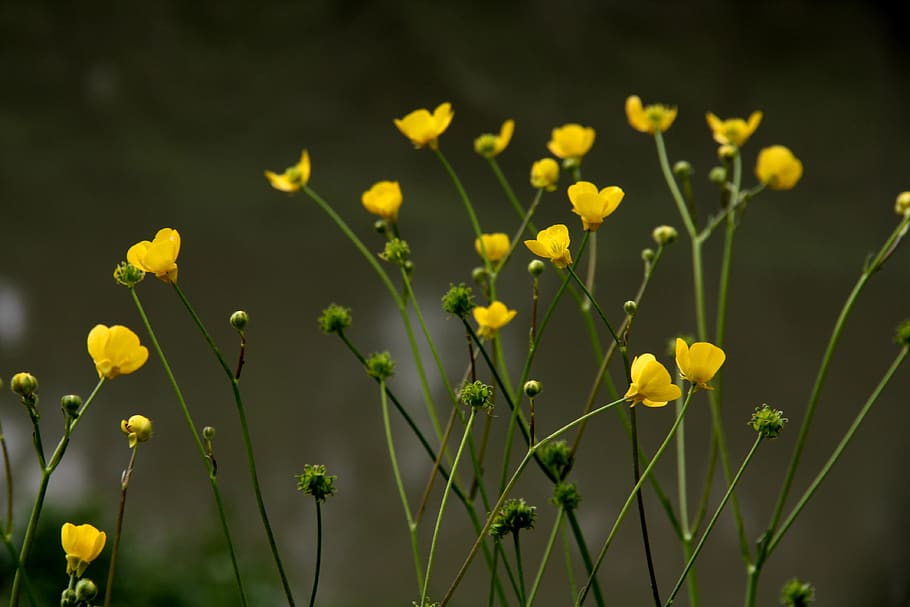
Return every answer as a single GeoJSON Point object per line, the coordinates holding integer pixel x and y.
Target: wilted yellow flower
{"type": "Point", "coordinates": [651, 384]}
{"type": "Point", "coordinates": [571, 141]}
{"type": "Point", "coordinates": [495, 246]}
{"type": "Point", "coordinates": [492, 318]}
{"type": "Point", "coordinates": [138, 429]}
{"type": "Point", "coordinates": [158, 256]}
{"type": "Point", "coordinates": [424, 128]}
{"type": "Point", "coordinates": [778, 168]}
{"type": "Point", "coordinates": [734, 131]}
{"type": "Point", "coordinates": [593, 206]}
{"type": "Point", "coordinates": [116, 350]}
{"type": "Point", "coordinates": [489, 145]}
{"type": "Point", "coordinates": [699, 362]}
{"type": "Point", "coordinates": [552, 243]}
{"type": "Point", "coordinates": [383, 199]}
{"type": "Point", "coordinates": [545, 174]}
{"type": "Point", "coordinates": [82, 545]}
{"type": "Point", "coordinates": [294, 177]}
{"type": "Point", "coordinates": [650, 118]}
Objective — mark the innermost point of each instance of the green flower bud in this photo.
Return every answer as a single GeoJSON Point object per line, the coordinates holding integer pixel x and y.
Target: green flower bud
{"type": "Point", "coordinates": [239, 320]}
{"type": "Point", "coordinates": [536, 267]}
{"type": "Point", "coordinates": [396, 251]}
{"type": "Point", "coordinates": [24, 384]}
{"type": "Point", "coordinates": [68, 598]}
{"type": "Point", "coordinates": [566, 495]}
{"type": "Point", "coordinates": [556, 456]}
{"type": "Point", "coordinates": [458, 300]}
{"type": "Point", "coordinates": [127, 274]}
{"type": "Point", "coordinates": [902, 336]}
{"type": "Point", "coordinates": [532, 388]}
{"type": "Point", "coordinates": [477, 395]}
{"type": "Point", "coordinates": [514, 516]}
{"type": "Point", "coordinates": [630, 307]}
{"type": "Point", "coordinates": [485, 145]}
{"type": "Point", "coordinates": [208, 433]}
{"type": "Point", "coordinates": [408, 266]}
{"type": "Point", "coordinates": [647, 254]}
{"type": "Point", "coordinates": [380, 365]}
{"type": "Point", "coordinates": [717, 175]}
{"type": "Point", "coordinates": [380, 226]}
{"type": "Point", "coordinates": [682, 169]}
{"type": "Point", "coordinates": [664, 235]}
{"type": "Point", "coordinates": [314, 481]}
{"type": "Point", "coordinates": [335, 319]}
{"type": "Point", "coordinates": [797, 594]}
{"type": "Point", "coordinates": [726, 152]}
{"type": "Point", "coordinates": [571, 164]}
{"type": "Point", "coordinates": [767, 421]}
{"type": "Point", "coordinates": [86, 590]}
{"type": "Point", "coordinates": [902, 204]}
{"type": "Point", "coordinates": [70, 404]}
{"type": "Point", "coordinates": [479, 275]}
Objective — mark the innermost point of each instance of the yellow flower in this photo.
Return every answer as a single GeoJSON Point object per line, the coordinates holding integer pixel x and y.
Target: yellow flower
{"type": "Point", "coordinates": [116, 350]}
{"type": "Point", "coordinates": [495, 246]}
{"type": "Point", "coordinates": [651, 384]}
{"type": "Point", "coordinates": [383, 199]}
{"type": "Point", "coordinates": [778, 168]}
{"type": "Point", "coordinates": [138, 429]}
{"type": "Point", "coordinates": [734, 131]}
{"type": "Point", "coordinates": [545, 174]}
{"type": "Point", "coordinates": [424, 128]}
{"type": "Point", "coordinates": [492, 318]}
{"type": "Point", "coordinates": [293, 177]}
{"type": "Point", "coordinates": [158, 256]}
{"type": "Point", "coordinates": [902, 203]}
{"type": "Point", "coordinates": [593, 206]}
{"type": "Point", "coordinates": [699, 362]}
{"type": "Point", "coordinates": [553, 244]}
{"type": "Point", "coordinates": [82, 545]}
{"type": "Point", "coordinates": [489, 145]}
{"type": "Point", "coordinates": [571, 141]}
{"type": "Point", "coordinates": [650, 118]}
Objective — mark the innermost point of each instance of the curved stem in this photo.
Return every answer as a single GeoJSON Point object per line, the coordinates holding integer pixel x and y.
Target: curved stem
{"type": "Point", "coordinates": [124, 485]}
{"type": "Point", "coordinates": [318, 552]}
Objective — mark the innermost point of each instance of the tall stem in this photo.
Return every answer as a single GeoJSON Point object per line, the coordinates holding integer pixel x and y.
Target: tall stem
{"type": "Point", "coordinates": [318, 552]}
{"type": "Point", "coordinates": [124, 485]}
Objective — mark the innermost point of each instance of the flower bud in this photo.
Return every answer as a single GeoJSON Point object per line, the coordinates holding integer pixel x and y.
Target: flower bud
{"type": "Point", "coordinates": [726, 152]}
{"type": "Point", "coordinates": [647, 254]}
{"type": "Point", "coordinates": [408, 266]}
{"type": "Point", "coordinates": [717, 175]}
{"type": "Point", "coordinates": [556, 456]}
{"type": "Point", "coordinates": [902, 335]}
{"type": "Point", "coordinates": [479, 275]}
{"type": "Point", "coordinates": [396, 251]}
{"type": "Point", "coordinates": [902, 204]}
{"type": "Point", "coordinates": [566, 495]}
{"type": "Point", "coordinates": [380, 365]}
{"type": "Point", "coordinates": [380, 226]}
{"type": "Point", "coordinates": [536, 267]}
{"type": "Point", "coordinates": [796, 593]}
{"type": "Point", "coordinates": [137, 428]}
{"type": "Point", "coordinates": [664, 235]}
{"type": "Point", "coordinates": [477, 395]}
{"type": "Point", "coordinates": [682, 169]}
{"type": "Point", "coordinates": [630, 307]}
{"type": "Point", "coordinates": [70, 404]}
{"type": "Point", "coordinates": [545, 174]}
{"type": "Point", "coordinates": [127, 274]}
{"type": "Point", "coordinates": [767, 421]}
{"type": "Point", "coordinates": [485, 145]}
{"type": "Point", "coordinates": [86, 590]}
{"type": "Point", "coordinates": [335, 319]}
{"type": "Point", "coordinates": [208, 433]}
{"type": "Point", "coordinates": [68, 598]}
{"type": "Point", "coordinates": [458, 300]}
{"type": "Point", "coordinates": [239, 320]}
{"type": "Point", "coordinates": [314, 481]}
{"type": "Point", "coordinates": [514, 516]}
{"type": "Point", "coordinates": [24, 384]}
{"type": "Point", "coordinates": [532, 388]}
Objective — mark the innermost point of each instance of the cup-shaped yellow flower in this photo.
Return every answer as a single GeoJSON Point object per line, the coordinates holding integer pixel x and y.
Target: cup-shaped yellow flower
{"type": "Point", "coordinates": [82, 545]}
{"type": "Point", "coordinates": [545, 174]}
{"type": "Point", "coordinates": [138, 429]}
{"type": "Point", "coordinates": [489, 145]}
{"type": "Point", "coordinates": [733, 131]}
{"type": "Point", "coordinates": [571, 141]}
{"type": "Point", "coordinates": [158, 256]}
{"type": "Point", "coordinates": [492, 318]}
{"type": "Point", "coordinates": [651, 384]}
{"type": "Point", "coordinates": [552, 243]}
{"type": "Point", "coordinates": [383, 199]}
{"type": "Point", "coordinates": [116, 350]}
{"type": "Point", "coordinates": [495, 246]}
{"type": "Point", "coordinates": [649, 118]}
{"type": "Point", "coordinates": [424, 128]}
{"type": "Point", "coordinates": [778, 168]}
{"type": "Point", "coordinates": [294, 177]}
{"type": "Point", "coordinates": [699, 362]}
{"type": "Point", "coordinates": [594, 206]}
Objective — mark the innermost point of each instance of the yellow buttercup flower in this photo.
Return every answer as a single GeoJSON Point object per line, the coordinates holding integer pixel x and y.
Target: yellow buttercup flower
{"type": "Point", "coordinates": [651, 384]}
{"type": "Point", "coordinates": [158, 256]}
{"type": "Point", "coordinates": [492, 318]}
{"type": "Point", "coordinates": [778, 168]}
{"type": "Point", "coordinates": [424, 128]}
{"type": "Point", "coordinates": [383, 199]}
{"type": "Point", "coordinates": [699, 362]}
{"type": "Point", "coordinates": [294, 177]}
{"type": "Point", "coordinates": [82, 545]}
{"type": "Point", "coordinates": [650, 118]}
{"type": "Point", "coordinates": [552, 243]}
{"type": "Point", "coordinates": [116, 350]}
{"type": "Point", "coordinates": [571, 141]}
{"type": "Point", "coordinates": [489, 145]}
{"type": "Point", "coordinates": [138, 429]}
{"type": "Point", "coordinates": [593, 206]}
{"type": "Point", "coordinates": [495, 246]}
{"type": "Point", "coordinates": [734, 131]}
{"type": "Point", "coordinates": [545, 174]}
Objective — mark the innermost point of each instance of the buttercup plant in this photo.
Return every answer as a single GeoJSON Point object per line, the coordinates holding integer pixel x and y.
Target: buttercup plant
{"type": "Point", "coordinates": [488, 407]}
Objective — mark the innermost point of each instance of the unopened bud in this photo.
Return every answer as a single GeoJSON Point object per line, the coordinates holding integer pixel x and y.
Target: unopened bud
{"type": "Point", "coordinates": [726, 152]}
{"type": "Point", "coordinates": [24, 384]}
{"type": "Point", "coordinates": [902, 204]}
{"type": "Point", "coordinates": [717, 175]}
{"type": "Point", "coordinates": [86, 590]}
{"type": "Point", "coordinates": [70, 404]}
{"type": "Point", "coordinates": [479, 275]}
{"type": "Point", "coordinates": [664, 235]}
{"type": "Point", "coordinates": [532, 388]}
{"type": "Point", "coordinates": [682, 169]}
{"type": "Point", "coordinates": [630, 307]}
{"type": "Point", "coordinates": [536, 267]}
{"type": "Point", "coordinates": [239, 320]}
{"type": "Point", "coordinates": [647, 254]}
{"type": "Point", "coordinates": [208, 433]}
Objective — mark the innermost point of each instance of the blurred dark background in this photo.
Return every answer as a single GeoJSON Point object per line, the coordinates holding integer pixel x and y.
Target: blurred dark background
{"type": "Point", "coordinates": [117, 119]}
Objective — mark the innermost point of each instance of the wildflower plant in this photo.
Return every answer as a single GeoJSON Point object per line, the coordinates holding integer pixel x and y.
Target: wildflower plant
{"type": "Point", "coordinates": [471, 419]}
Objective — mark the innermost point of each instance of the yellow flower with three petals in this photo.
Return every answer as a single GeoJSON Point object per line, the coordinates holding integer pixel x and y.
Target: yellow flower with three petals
{"type": "Point", "coordinates": [495, 246]}
{"type": "Point", "coordinates": [116, 350]}
{"type": "Point", "coordinates": [383, 199]}
{"type": "Point", "coordinates": [82, 545]}
{"type": "Point", "coordinates": [158, 256]}
{"type": "Point", "coordinates": [699, 363]}
{"type": "Point", "coordinates": [651, 384]}
{"type": "Point", "coordinates": [649, 118]}
{"type": "Point", "coordinates": [571, 141]}
{"type": "Point", "coordinates": [552, 243]}
{"type": "Point", "coordinates": [594, 206]}
{"type": "Point", "coordinates": [424, 128]}
{"type": "Point", "coordinates": [489, 145]}
{"type": "Point", "coordinates": [294, 177]}
{"type": "Point", "coordinates": [733, 131]}
{"type": "Point", "coordinates": [492, 318]}
{"type": "Point", "coordinates": [778, 168]}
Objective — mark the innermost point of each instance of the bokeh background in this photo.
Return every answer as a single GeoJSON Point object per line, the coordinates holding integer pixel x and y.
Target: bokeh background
{"type": "Point", "coordinates": [120, 118]}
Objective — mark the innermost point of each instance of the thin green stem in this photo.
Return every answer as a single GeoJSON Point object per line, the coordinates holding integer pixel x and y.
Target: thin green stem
{"type": "Point", "coordinates": [510, 193]}
{"type": "Point", "coordinates": [585, 555]}
{"type": "Point", "coordinates": [318, 552]}
{"type": "Point", "coordinates": [639, 498]}
{"type": "Point", "coordinates": [522, 596]}
{"type": "Point", "coordinates": [545, 558]}
{"type": "Point", "coordinates": [461, 193]}
{"type": "Point", "coordinates": [7, 470]}
{"type": "Point", "coordinates": [124, 485]}
{"type": "Point", "coordinates": [14, 557]}
{"type": "Point", "coordinates": [603, 317]}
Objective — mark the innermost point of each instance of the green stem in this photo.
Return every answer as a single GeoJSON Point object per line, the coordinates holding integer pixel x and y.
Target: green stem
{"type": "Point", "coordinates": [603, 317]}
{"type": "Point", "coordinates": [652, 577]}
{"type": "Point", "coordinates": [510, 194]}
{"type": "Point", "coordinates": [14, 557]}
{"type": "Point", "coordinates": [545, 559]}
{"type": "Point", "coordinates": [462, 194]}
{"type": "Point", "coordinates": [124, 485]}
{"type": "Point", "coordinates": [585, 555]}
{"type": "Point", "coordinates": [318, 552]}
{"type": "Point", "coordinates": [522, 596]}
{"type": "Point", "coordinates": [234, 379]}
